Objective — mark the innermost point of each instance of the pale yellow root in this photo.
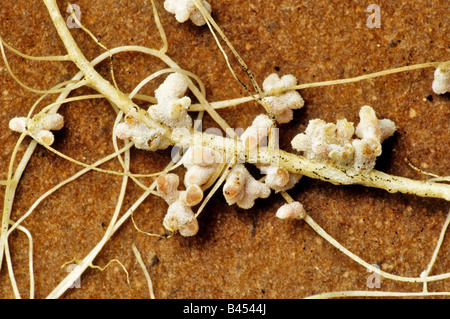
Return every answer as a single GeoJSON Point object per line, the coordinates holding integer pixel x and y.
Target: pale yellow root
{"type": "Point", "coordinates": [144, 269]}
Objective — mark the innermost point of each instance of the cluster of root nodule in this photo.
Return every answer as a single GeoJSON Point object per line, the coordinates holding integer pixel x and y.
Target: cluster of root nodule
{"type": "Point", "coordinates": [321, 141]}
{"type": "Point", "coordinates": [334, 142]}
{"type": "Point", "coordinates": [40, 127]}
